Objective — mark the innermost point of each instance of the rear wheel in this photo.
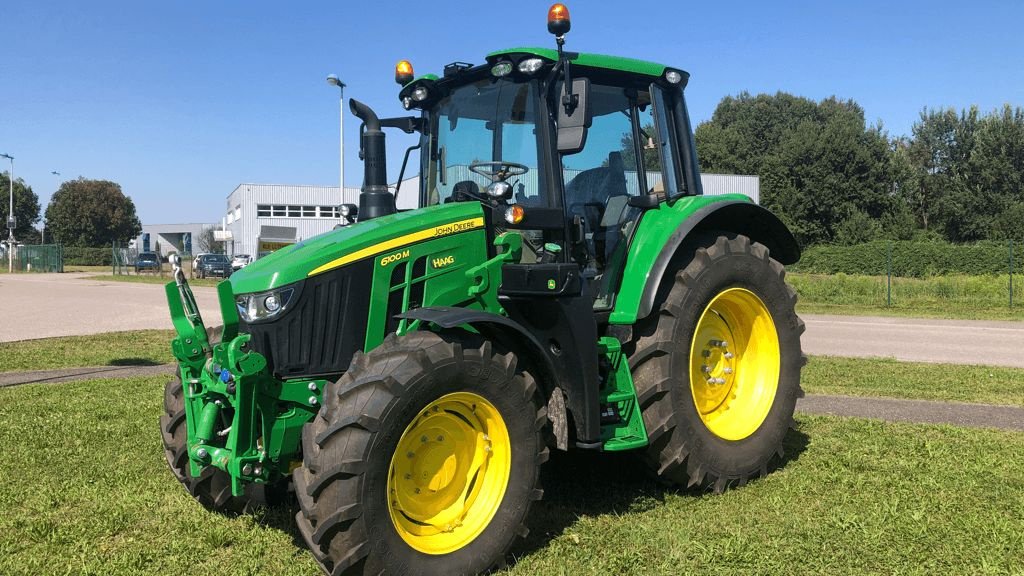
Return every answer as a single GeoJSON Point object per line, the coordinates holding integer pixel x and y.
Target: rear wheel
{"type": "Point", "coordinates": [717, 367]}
{"type": "Point", "coordinates": [424, 459]}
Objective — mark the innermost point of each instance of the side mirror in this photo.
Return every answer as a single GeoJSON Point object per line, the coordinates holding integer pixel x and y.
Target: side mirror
{"type": "Point", "coordinates": [572, 128]}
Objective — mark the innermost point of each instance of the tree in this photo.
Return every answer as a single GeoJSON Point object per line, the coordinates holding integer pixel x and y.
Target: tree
{"type": "Point", "coordinates": [823, 170]}
{"type": "Point", "coordinates": [26, 209]}
{"type": "Point", "coordinates": [91, 213]}
{"type": "Point", "coordinates": [205, 242]}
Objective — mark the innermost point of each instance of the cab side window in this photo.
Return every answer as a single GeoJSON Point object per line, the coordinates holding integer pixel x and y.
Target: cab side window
{"type": "Point", "coordinates": [600, 179]}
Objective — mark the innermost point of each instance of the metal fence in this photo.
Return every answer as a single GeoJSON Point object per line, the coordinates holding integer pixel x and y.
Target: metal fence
{"type": "Point", "coordinates": [39, 258]}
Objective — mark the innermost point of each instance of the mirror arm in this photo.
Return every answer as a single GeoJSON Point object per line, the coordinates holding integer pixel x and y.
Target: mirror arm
{"type": "Point", "coordinates": [401, 173]}
{"type": "Point", "coordinates": [570, 100]}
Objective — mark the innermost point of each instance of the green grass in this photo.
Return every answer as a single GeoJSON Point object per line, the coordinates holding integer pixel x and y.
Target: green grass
{"type": "Point", "coordinates": [963, 297]}
{"type": "Point", "coordinates": [85, 490]}
{"type": "Point", "coordinates": [154, 279]}
{"type": "Point", "coordinates": [914, 380]}
{"type": "Point", "coordinates": [137, 348]}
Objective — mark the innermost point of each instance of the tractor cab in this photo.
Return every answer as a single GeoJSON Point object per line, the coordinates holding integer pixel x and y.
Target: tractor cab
{"type": "Point", "coordinates": [558, 166]}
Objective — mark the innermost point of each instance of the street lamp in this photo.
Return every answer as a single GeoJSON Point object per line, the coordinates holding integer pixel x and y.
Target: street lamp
{"type": "Point", "coordinates": [334, 81]}
{"type": "Point", "coordinates": [42, 237]}
{"type": "Point", "coordinates": [10, 220]}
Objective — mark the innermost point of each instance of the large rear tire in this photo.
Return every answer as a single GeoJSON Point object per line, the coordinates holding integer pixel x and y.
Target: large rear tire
{"type": "Point", "coordinates": [717, 366]}
{"type": "Point", "coordinates": [424, 459]}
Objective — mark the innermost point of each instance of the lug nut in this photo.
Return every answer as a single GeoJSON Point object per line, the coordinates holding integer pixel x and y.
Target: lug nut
{"type": "Point", "coordinates": [705, 368]}
{"type": "Point", "coordinates": [728, 355]}
{"type": "Point", "coordinates": [312, 386]}
{"type": "Point", "coordinates": [705, 353]}
{"type": "Point", "coordinates": [202, 453]}
{"type": "Point", "coordinates": [423, 438]}
{"type": "Point", "coordinates": [440, 438]}
{"type": "Point", "coordinates": [727, 370]}
{"type": "Point", "coordinates": [313, 401]}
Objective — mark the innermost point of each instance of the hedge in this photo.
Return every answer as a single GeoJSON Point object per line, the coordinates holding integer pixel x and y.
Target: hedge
{"type": "Point", "coordinates": [83, 256]}
{"type": "Point", "coordinates": [912, 259]}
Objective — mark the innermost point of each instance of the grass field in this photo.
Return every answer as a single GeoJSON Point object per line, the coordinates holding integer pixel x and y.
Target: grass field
{"type": "Point", "coordinates": [964, 297]}
{"type": "Point", "coordinates": [138, 348]}
{"type": "Point", "coordinates": [913, 380]}
{"type": "Point", "coordinates": [84, 490]}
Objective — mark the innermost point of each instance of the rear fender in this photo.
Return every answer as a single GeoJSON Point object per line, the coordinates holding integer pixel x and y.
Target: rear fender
{"type": "Point", "coordinates": [663, 232]}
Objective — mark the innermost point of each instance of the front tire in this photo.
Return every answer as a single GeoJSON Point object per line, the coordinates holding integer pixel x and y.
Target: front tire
{"type": "Point", "coordinates": [717, 367]}
{"type": "Point", "coordinates": [424, 459]}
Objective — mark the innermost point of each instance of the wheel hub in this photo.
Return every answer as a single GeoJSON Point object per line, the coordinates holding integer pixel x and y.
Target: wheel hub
{"type": "Point", "coordinates": [734, 364]}
{"type": "Point", "coordinates": [448, 475]}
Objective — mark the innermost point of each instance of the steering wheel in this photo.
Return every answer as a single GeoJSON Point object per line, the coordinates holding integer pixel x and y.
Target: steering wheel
{"type": "Point", "coordinates": [498, 170]}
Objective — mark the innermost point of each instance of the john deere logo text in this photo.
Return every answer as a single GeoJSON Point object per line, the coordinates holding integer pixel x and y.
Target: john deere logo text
{"type": "Point", "coordinates": [453, 228]}
{"type": "Point", "coordinates": [443, 261]}
{"type": "Point", "coordinates": [394, 257]}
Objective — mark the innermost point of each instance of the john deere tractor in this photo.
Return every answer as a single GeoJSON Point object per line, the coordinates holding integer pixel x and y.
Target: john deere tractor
{"type": "Point", "coordinates": [564, 285]}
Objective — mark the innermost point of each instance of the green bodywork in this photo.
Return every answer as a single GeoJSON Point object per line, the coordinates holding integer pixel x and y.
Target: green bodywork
{"type": "Point", "coordinates": [652, 234]}
{"type": "Point", "coordinates": [227, 386]}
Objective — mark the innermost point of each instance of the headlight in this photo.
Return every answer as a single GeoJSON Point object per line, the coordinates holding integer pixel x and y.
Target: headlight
{"type": "Point", "coordinates": [501, 69]}
{"type": "Point", "coordinates": [263, 305]}
{"type": "Point", "coordinates": [530, 65]}
{"type": "Point", "coordinates": [420, 94]}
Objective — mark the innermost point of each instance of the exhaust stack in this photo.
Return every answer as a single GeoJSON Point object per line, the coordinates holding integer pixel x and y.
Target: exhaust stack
{"type": "Point", "coordinates": [374, 200]}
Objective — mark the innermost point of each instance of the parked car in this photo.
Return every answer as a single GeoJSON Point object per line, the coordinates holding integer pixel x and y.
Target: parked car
{"type": "Point", "coordinates": [147, 261]}
{"type": "Point", "coordinates": [206, 265]}
{"type": "Point", "coordinates": [239, 261]}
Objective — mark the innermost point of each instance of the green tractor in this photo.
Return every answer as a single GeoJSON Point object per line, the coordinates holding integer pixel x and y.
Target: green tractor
{"type": "Point", "coordinates": [564, 286]}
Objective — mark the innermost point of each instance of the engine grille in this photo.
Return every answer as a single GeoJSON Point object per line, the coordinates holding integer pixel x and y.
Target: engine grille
{"type": "Point", "coordinates": [320, 332]}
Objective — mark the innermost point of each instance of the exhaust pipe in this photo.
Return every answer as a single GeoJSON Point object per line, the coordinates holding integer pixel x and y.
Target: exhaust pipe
{"type": "Point", "coordinates": [374, 199]}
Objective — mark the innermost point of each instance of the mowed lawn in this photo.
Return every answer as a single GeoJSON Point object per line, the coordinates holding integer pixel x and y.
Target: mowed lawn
{"type": "Point", "coordinates": [84, 489]}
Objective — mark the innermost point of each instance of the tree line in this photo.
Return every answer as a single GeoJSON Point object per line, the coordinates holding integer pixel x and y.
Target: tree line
{"type": "Point", "coordinates": [835, 179]}
{"type": "Point", "coordinates": [82, 212]}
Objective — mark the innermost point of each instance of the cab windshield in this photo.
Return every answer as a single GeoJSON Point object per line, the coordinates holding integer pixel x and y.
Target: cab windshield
{"type": "Point", "coordinates": [488, 121]}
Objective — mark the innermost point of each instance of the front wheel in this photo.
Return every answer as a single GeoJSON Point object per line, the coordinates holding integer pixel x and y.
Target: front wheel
{"type": "Point", "coordinates": [717, 368]}
{"type": "Point", "coordinates": [424, 459]}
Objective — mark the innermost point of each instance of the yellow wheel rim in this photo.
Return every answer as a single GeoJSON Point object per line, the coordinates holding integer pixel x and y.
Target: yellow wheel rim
{"type": "Point", "coordinates": [449, 473]}
{"type": "Point", "coordinates": [734, 364]}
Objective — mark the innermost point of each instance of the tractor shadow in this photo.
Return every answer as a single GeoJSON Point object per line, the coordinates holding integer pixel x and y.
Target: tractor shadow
{"type": "Point", "coordinates": [132, 362]}
{"type": "Point", "coordinates": [578, 484]}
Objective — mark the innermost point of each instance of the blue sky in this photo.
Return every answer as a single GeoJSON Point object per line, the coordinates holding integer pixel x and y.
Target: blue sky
{"type": "Point", "coordinates": [181, 101]}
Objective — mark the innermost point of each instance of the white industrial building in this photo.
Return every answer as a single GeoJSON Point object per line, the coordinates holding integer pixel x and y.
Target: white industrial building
{"type": "Point", "coordinates": [261, 218]}
{"type": "Point", "coordinates": [170, 238]}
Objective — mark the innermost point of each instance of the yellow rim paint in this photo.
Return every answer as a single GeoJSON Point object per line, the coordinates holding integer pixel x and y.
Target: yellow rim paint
{"type": "Point", "coordinates": [425, 234]}
{"type": "Point", "coordinates": [449, 473]}
{"type": "Point", "coordinates": [734, 364]}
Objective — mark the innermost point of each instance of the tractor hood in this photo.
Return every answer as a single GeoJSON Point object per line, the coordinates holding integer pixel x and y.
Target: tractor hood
{"type": "Point", "coordinates": [365, 239]}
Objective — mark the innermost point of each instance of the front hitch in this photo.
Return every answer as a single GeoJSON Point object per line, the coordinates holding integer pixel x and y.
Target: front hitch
{"type": "Point", "coordinates": [239, 417]}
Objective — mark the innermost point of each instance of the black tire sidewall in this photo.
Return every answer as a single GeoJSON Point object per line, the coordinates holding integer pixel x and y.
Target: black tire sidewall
{"type": "Point", "coordinates": [487, 378]}
{"type": "Point", "coordinates": [737, 458]}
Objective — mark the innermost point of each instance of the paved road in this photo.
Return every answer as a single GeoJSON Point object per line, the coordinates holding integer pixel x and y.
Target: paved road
{"type": "Point", "coordinates": [920, 340]}
{"type": "Point", "coordinates": [922, 411]}
{"type": "Point", "coordinates": [45, 305]}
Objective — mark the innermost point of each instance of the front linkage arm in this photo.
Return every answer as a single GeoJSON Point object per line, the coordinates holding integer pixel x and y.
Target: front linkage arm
{"type": "Point", "coordinates": [239, 417]}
